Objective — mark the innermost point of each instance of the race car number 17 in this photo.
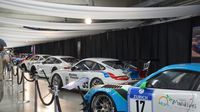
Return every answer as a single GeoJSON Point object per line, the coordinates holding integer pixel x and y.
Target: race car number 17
{"type": "Point", "coordinates": [140, 100]}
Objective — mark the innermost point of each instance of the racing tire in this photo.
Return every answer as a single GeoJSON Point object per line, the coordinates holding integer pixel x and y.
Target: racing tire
{"type": "Point", "coordinates": [24, 67]}
{"type": "Point", "coordinates": [95, 81]}
{"type": "Point", "coordinates": [33, 70]}
{"type": "Point", "coordinates": [101, 102]}
{"type": "Point", "coordinates": [53, 69]}
{"type": "Point", "coordinates": [56, 80]}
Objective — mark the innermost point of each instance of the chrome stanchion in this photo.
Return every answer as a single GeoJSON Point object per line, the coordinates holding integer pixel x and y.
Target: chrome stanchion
{"type": "Point", "coordinates": [36, 93]}
{"type": "Point", "coordinates": [7, 73]}
{"type": "Point", "coordinates": [55, 95]}
{"type": "Point", "coordinates": [23, 89]}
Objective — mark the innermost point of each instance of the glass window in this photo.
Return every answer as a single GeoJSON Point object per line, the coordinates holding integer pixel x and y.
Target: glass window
{"type": "Point", "coordinates": [84, 65]}
{"type": "Point", "coordinates": [49, 61]}
{"type": "Point", "coordinates": [174, 79]}
{"type": "Point", "coordinates": [41, 59]}
{"type": "Point", "coordinates": [81, 66]}
{"type": "Point", "coordinates": [197, 85]}
{"type": "Point", "coordinates": [70, 60]}
{"type": "Point", "coordinates": [97, 66]}
{"type": "Point", "coordinates": [45, 57]}
{"type": "Point", "coordinates": [35, 58]}
{"type": "Point", "coordinates": [115, 64]}
{"type": "Point", "coordinates": [56, 61]}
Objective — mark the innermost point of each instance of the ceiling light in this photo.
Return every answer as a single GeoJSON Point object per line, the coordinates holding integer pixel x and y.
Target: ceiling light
{"type": "Point", "coordinates": [88, 21]}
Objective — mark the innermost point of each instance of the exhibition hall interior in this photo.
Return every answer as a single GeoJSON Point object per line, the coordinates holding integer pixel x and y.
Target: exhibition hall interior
{"type": "Point", "coordinates": [99, 55]}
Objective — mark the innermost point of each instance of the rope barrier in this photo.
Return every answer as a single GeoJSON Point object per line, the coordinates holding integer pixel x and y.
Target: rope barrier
{"type": "Point", "coordinates": [29, 80]}
{"type": "Point", "coordinates": [40, 96]}
{"type": "Point", "coordinates": [21, 79]}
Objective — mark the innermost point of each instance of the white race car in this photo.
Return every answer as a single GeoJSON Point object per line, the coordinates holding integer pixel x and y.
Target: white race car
{"type": "Point", "coordinates": [53, 63]}
{"type": "Point", "coordinates": [98, 70]}
{"type": "Point", "coordinates": [27, 64]}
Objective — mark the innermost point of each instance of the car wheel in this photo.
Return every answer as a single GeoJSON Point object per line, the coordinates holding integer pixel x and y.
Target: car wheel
{"type": "Point", "coordinates": [95, 81]}
{"type": "Point", "coordinates": [53, 69]}
{"type": "Point", "coordinates": [33, 70]}
{"type": "Point", "coordinates": [24, 67]}
{"type": "Point", "coordinates": [102, 103]}
{"type": "Point", "coordinates": [56, 80]}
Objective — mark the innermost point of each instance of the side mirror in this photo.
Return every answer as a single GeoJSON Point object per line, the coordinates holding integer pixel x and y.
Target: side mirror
{"type": "Point", "coordinates": [73, 68]}
{"type": "Point", "coordinates": [143, 85]}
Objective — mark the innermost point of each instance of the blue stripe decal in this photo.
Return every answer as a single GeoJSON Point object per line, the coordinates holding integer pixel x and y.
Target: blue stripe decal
{"type": "Point", "coordinates": [106, 75]}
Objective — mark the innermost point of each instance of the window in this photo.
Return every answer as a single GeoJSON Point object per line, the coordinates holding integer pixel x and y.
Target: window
{"type": "Point", "coordinates": [84, 65]}
{"type": "Point", "coordinates": [45, 57]}
{"type": "Point", "coordinates": [197, 85]}
{"type": "Point", "coordinates": [173, 79]}
{"type": "Point", "coordinates": [70, 60]}
{"type": "Point", "coordinates": [35, 58]}
{"type": "Point", "coordinates": [56, 61]}
{"type": "Point", "coordinates": [49, 61]}
{"type": "Point", "coordinates": [97, 66]}
{"type": "Point", "coordinates": [115, 64]}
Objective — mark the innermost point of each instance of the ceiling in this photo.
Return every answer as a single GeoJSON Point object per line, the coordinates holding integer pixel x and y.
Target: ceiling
{"type": "Point", "coordinates": [29, 22]}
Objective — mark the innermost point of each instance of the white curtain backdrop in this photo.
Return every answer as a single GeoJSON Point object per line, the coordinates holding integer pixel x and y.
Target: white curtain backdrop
{"type": "Point", "coordinates": [70, 26]}
{"type": "Point", "coordinates": [26, 37]}
{"type": "Point", "coordinates": [72, 11]}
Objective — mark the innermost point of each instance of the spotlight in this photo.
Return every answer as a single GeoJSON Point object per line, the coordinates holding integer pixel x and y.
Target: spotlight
{"type": "Point", "coordinates": [88, 21]}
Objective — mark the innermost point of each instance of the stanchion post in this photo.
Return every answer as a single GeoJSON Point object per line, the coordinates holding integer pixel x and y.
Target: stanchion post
{"type": "Point", "coordinates": [12, 74]}
{"type": "Point", "coordinates": [36, 93]}
{"type": "Point", "coordinates": [23, 88]}
{"type": "Point", "coordinates": [55, 95]}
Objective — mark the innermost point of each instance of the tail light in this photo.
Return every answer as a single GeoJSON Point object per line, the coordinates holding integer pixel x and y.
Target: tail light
{"type": "Point", "coordinates": [118, 77]}
{"type": "Point", "coordinates": [66, 67]}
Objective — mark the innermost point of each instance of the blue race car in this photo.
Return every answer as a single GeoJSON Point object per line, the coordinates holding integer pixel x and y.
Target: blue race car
{"type": "Point", "coordinates": [172, 88]}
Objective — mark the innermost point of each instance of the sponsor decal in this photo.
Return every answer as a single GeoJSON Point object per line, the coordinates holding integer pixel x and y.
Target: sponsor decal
{"type": "Point", "coordinates": [73, 76]}
{"type": "Point", "coordinates": [106, 75]}
{"type": "Point", "coordinates": [141, 94]}
{"type": "Point", "coordinates": [141, 91]}
{"type": "Point", "coordinates": [167, 100]}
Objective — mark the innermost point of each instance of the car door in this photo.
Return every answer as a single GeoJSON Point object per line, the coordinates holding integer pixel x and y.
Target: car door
{"type": "Point", "coordinates": [46, 65]}
{"type": "Point", "coordinates": [81, 69]}
{"type": "Point", "coordinates": [169, 91]}
{"type": "Point", "coordinates": [53, 63]}
{"type": "Point", "coordinates": [196, 94]}
{"type": "Point", "coordinates": [32, 61]}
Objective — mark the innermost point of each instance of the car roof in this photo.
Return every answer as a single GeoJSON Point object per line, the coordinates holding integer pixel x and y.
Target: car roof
{"type": "Point", "coordinates": [186, 66]}
{"type": "Point", "coordinates": [101, 59]}
{"type": "Point", "coordinates": [41, 55]}
{"type": "Point", "coordinates": [62, 56]}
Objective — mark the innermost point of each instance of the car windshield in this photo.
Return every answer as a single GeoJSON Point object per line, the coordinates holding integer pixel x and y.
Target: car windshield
{"type": "Point", "coordinates": [115, 64]}
{"type": "Point", "coordinates": [71, 60]}
{"type": "Point", "coordinates": [45, 57]}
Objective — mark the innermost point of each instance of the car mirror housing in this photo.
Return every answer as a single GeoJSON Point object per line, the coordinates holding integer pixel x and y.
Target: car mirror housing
{"type": "Point", "coordinates": [73, 68]}
{"type": "Point", "coordinates": [143, 85]}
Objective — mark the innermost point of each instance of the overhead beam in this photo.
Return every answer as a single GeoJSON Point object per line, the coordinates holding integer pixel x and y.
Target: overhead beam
{"type": "Point", "coordinates": [148, 3]}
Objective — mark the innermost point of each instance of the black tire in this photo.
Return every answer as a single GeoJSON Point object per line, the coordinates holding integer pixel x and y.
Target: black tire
{"type": "Point", "coordinates": [95, 81]}
{"type": "Point", "coordinates": [56, 79]}
{"type": "Point", "coordinates": [103, 103]}
{"type": "Point", "coordinates": [53, 69]}
{"type": "Point", "coordinates": [33, 70]}
{"type": "Point", "coordinates": [24, 67]}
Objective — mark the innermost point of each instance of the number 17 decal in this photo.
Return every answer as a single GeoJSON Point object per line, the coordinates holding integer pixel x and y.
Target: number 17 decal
{"type": "Point", "coordinates": [140, 105]}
